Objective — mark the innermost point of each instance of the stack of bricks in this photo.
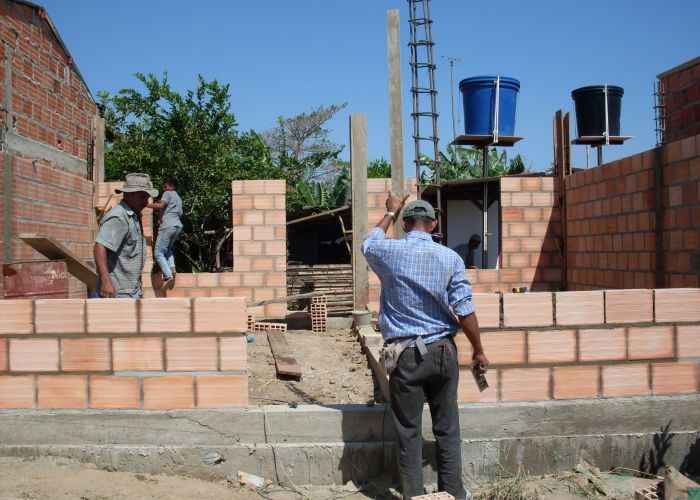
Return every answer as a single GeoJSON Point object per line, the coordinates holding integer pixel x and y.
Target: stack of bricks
{"type": "Point", "coordinates": [593, 344]}
{"type": "Point", "coordinates": [681, 90]}
{"type": "Point", "coordinates": [612, 224]}
{"type": "Point", "coordinates": [150, 354]}
{"type": "Point", "coordinates": [319, 313]}
{"type": "Point", "coordinates": [227, 284]}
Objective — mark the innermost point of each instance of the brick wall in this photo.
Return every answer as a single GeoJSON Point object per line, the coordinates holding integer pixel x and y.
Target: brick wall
{"type": "Point", "coordinates": [594, 344]}
{"type": "Point", "coordinates": [612, 220]}
{"type": "Point", "coordinates": [681, 90]}
{"type": "Point", "coordinates": [49, 115]}
{"type": "Point", "coordinates": [150, 354]}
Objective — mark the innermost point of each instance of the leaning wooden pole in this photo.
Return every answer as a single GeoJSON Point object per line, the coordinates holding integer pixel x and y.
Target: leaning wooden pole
{"type": "Point", "coordinates": [358, 161]}
{"type": "Point", "coordinates": [393, 41]}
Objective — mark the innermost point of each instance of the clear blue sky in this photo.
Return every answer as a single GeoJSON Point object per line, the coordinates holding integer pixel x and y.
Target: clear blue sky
{"type": "Point", "coordinates": [286, 57]}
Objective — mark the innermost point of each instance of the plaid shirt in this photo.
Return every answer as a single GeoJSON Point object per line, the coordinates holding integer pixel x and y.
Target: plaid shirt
{"type": "Point", "coordinates": [421, 281]}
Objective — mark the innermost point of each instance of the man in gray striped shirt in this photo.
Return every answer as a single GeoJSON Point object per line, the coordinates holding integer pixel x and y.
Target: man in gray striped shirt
{"type": "Point", "coordinates": [120, 246]}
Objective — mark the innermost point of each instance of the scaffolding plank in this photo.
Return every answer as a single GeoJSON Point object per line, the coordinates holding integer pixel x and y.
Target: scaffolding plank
{"type": "Point", "coordinates": [53, 250]}
{"type": "Point", "coordinates": [485, 140]}
{"type": "Point", "coordinates": [285, 362]}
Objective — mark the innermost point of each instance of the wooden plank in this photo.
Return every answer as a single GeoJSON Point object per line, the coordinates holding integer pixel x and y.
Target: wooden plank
{"type": "Point", "coordinates": [53, 250]}
{"type": "Point", "coordinates": [485, 140]}
{"type": "Point", "coordinates": [285, 362]}
{"type": "Point", "coordinates": [358, 160]}
{"type": "Point", "coordinates": [599, 140]}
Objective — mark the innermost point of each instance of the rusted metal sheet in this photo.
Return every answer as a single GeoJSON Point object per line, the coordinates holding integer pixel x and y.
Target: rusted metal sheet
{"type": "Point", "coordinates": [41, 280]}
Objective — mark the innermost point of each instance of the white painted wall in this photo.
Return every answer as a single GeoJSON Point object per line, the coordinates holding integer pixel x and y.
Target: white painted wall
{"type": "Point", "coordinates": [464, 219]}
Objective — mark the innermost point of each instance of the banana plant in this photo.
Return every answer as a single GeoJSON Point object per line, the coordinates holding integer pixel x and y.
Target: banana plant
{"type": "Point", "coordinates": [462, 163]}
{"type": "Point", "coordinates": [315, 195]}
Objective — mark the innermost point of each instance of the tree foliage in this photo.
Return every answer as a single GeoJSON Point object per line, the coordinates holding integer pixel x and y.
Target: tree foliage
{"type": "Point", "coordinates": [192, 138]}
{"type": "Point", "coordinates": [459, 163]}
{"type": "Point", "coordinates": [315, 195]}
{"type": "Point", "coordinates": [379, 169]}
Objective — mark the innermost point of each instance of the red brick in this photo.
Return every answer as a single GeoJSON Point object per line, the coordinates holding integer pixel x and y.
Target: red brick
{"type": "Point", "coordinates": [62, 391]}
{"type": "Point", "coordinates": [677, 305]}
{"type": "Point", "coordinates": [580, 308]}
{"type": "Point", "coordinates": [137, 354]}
{"type": "Point", "coordinates": [85, 355]}
{"type": "Point", "coordinates": [527, 309]}
{"type": "Point", "coordinates": [650, 342]}
{"type": "Point", "coordinates": [33, 355]}
{"type": "Point", "coordinates": [220, 315]}
{"type": "Point", "coordinates": [3, 355]}
{"type": "Point", "coordinates": [626, 380]}
{"type": "Point", "coordinates": [688, 341]}
{"type": "Point", "coordinates": [165, 315]}
{"type": "Point", "coordinates": [107, 392]}
{"type": "Point", "coordinates": [488, 309]}
{"type": "Point", "coordinates": [602, 345]}
{"type": "Point", "coordinates": [16, 392]}
{"type": "Point", "coordinates": [15, 316]}
{"type": "Point", "coordinates": [60, 316]}
{"type": "Point", "coordinates": [571, 382]}
{"type": "Point", "coordinates": [468, 391]}
{"type": "Point", "coordinates": [168, 393]}
{"type": "Point", "coordinates": [222, 391]}
{"type": "Point", "coordinates": [525, 384]}
{"type": "Point", "coordinates": [191, 353]}
{"type": "Point", "coordinates": [111, 316]}
{"type": "Point", "coordinates": [629, 306]}
{"type": "Point", "coordinates": [674, 378]}
{"type": "Point", "coordinates": [233, 353]}
{"type": "Point", "coordinates": [557, 346]}
{"type": "Point", "coordinates": [501, 348]}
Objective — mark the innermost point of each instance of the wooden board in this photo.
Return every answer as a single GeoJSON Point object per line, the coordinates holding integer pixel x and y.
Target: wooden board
{"type": "Point", "coordinates": [285, 362]}
{"type": "Point", "coordinates": [485, 140]}
{"type": "Point", "coordinates": [53, 250]}
{"type": "Point", "coordinates": [599, 140]}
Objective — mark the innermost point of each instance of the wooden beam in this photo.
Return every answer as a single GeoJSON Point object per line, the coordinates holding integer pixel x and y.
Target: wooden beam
{"type": "Point", "coordinates": [285, 362]}
{"type": "Point", "coordinates": [53, 250]}
{"type": "Point", "coordinates": [358, 161]}
{"type": "Point", "coordinates": [393, 41]}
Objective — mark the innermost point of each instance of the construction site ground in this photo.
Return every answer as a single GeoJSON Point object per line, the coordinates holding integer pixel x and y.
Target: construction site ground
{"type": "Point", "coordinates": [334, 370]}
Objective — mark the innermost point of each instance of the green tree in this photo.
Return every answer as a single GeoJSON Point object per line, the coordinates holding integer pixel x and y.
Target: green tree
{"type": "Point", "coordinates": [459, 163]}
{"type": "Point", "coordinates": [379, 169]}
{"type": "Point", "coordinates": [192, 138]}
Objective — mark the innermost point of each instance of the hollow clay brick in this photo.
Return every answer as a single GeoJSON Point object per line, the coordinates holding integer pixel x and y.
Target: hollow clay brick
{"type": "Point", "coordinates": [220, 315]}
{"type": "Point", "coordinates": [626, 380]}
{"type": "Point", "coordinates": [85, 355]}
{"type": "Point", "coordinates": [629, 306]}
{"type": "Point", "coordinates": [575, 382]}
{"type": "Point", "coordinates": [107, 392]}
{"type": "Point", "coordinates": [33, 355]}
{"type": "Point", "coordinates": [602, 345]}
{"type": "Point", "coordinates": [191, 353]}
{"type": "Point", "coordinates": [677, 305]}
{"type": "Point", "coordinates": [527, 309]}
{"type": "Point", "coordinates": [650, 342]}
{"type": "Point", "coordinates": [16, 392]}
{"type": "Point", "coordinates": [62, 391]}
{"type": "Point", "coordinates": [525, 384]}
{"type": "Point", "coordinates": [111, 316]}
{"type": "Point", "coordinates": [552, 346]}
{"type": "Point", "coordinates": [3, 355]}
{"type": "Point", "coordinates": [580, 308]}
{"type": "Point", "coordinates": [468, 392]}
{"type": "Point", "coordinates": [674, 378]}
{"type": "Point", "coordinates": [137, 354]}
{"type": "Point", "coordinates": [15, 316]}
{"type": "Point", "coordinates": [233, 353]}
{"type": "Point", "coordinates": [165, 315]}
{"type": "Point", "coordinates": [488, 309]}
{"type": "Point", "coordinates": [501, 348]}
{"type": "Point", "coordinates": [60, 316]}
{"type": "Point", "coordinates": [688, 341]}
{"type": "Point", "coordinates": [168, 393]}
{"type": "Point", "coordinates": [222, 391]}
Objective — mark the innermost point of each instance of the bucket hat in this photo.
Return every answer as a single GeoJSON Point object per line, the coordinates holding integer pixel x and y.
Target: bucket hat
{"type": "Point", "coordinates": [138, 182]}
{"type": "Point", "coordinates": [419, 208]}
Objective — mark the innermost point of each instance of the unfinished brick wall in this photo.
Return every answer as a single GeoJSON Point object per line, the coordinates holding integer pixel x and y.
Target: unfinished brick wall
{"type": "Point", "coordinates": [150, 354]}
{"type": "Point", "coordinates": [681, 92]}
{"type": "Point", "coordinates": [48, 117]}
{"type": "Point", "coordinates": [613, 215]}
{"type": "Point", "coordinates": [594, 344]}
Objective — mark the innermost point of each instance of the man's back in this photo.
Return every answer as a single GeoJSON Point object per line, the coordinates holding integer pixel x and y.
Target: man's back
{"type": "Point", "coordinates": [170, 215]}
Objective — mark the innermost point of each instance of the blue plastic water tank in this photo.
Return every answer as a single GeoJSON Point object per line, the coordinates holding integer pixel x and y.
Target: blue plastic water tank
{"type": "Point", "coordinates": [479, 102]}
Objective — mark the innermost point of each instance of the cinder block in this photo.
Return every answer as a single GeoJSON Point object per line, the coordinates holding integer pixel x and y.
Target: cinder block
{"type": "Point", "coordinates": [558, 346]}
{"type": "Point", "coordinates": [59, 316]}
{"type": "Point", "coordinates": [16, 392]}
{"type": "Point", "coordinates": [501, 348]}
{"type": "Point", "coordinates": [602, 345]}
{"type": "Point", "coordinates": [629, 306]}
{"type": "Point", "coordinates": [220, 315]}
{"type": "Point", "coordinates": [650, 342]}
{"type": "Point", "coordinates": [688, 341]}
{"type": "Point", "coordinates": [62, 391]}
{"type": "Point", "coordinates": [168, 393]}
{"type": "Point", "coordinates": [488, 309]}
{"type": "Point", "coordinates": [572, 382]}
{"type": "Point", "coordinates": [15, 317]}
{"type": "Point", "coordinates": [111, 316]}
{"type": "Point", "coordinates": [33, 355]}
{"type": "Point", "coordinates": [527, 309]}
{"type": "Point", "coordinates": [234, 353]}
{"type": "Point", "coordinates": [580, 308]}
{"type": "Point", "coordinates": [85, 355]}
{"type": "Point", "coordinates": [222, 391]}
{"type": "Point", "coordinates": [626, 380]}
{"type": "Point", "coordinates": [137, 354]}
{"type": "Point", "coordinates": [107, 392]}
{"type": "Point", "coordinates": [674, 378]}
{"type": "Point", "coordinates": [468, 391]}
{"type": "Point", "coordinates": [525, 384]}
{"type": "Point", "coordinates": [166, 315]}
{"type": "Point", "coordinates": [680, 305]}
{"type": "Point", "coordinates": [191, 353]}
{"type": "Point", "coordinates": [3, 355]}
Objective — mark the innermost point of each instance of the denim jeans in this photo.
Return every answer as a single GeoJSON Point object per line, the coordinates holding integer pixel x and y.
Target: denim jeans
{"type": "Point", "coordinates": [164, 249]}
{"type": "Point", "coordinates": [433, 377]}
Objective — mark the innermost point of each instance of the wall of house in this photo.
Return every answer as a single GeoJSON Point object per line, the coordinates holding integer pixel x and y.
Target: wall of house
{"type": "Point", "coordinates": [149, 354]}
{"type": "Point", "coordinates": [681, 91]}
{"type": "Point", "coordinates": [631, 218]}
{"type": "Point", "coordinates": [49, 114]}
{"type": "Point", "coordinates": [594, 344]}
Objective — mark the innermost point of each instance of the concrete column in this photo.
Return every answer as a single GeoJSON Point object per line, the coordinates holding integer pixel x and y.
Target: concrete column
{"type": "Point", "coordinates": [393, 41]}
{"type": "Point", "coordinates": [358, 161]}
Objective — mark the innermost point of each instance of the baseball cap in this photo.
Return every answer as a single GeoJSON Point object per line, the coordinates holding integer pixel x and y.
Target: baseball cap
{"type": "Point", "coordinates": [419, 208]}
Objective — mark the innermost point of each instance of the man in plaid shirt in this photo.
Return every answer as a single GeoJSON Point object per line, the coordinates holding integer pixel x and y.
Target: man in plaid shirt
{"type": "Point", "coordinates": [425, 300]}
